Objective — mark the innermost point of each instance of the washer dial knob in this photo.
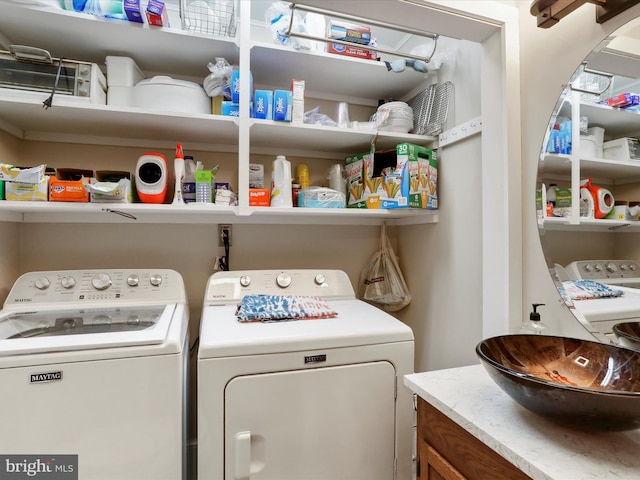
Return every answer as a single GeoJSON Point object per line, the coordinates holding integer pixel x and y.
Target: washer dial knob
{"type": "Point", "coordinates": [68, 282]}
{"type": "Point", "coordinates": [155, 279]}
{"type": "Point", "coordinates": [283, 280]}
{"type": "Point", "coordinates": [133, 280]}
{"type": "Point", "coordinates": [101, 281]}
{"type": "Point", "coordinates": [245, 280]}
{"type": "Point", "coordinates": [319, 279]}
{"type": "Point", "coordinates": [612, 267]}
{"type": "Point", "coordinates": [42, 283]}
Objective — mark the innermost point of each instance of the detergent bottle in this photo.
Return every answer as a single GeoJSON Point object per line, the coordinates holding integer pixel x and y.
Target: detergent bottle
{"type": "Point", "coordinates": [189, 180]}
{"type": "Point", "coordinates": [178, 168]}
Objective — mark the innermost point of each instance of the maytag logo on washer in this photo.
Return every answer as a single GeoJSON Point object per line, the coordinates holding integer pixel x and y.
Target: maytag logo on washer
{"type": "Point", "coordinates": [45, 377]}
{"type": "Point", "coordinates": [315, 358]}
{"type": "Point", "coordinates": [39, 467]}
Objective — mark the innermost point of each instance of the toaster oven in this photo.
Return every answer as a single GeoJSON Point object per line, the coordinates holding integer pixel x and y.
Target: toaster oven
{"type": "Point", "coordinates": [33, 70]}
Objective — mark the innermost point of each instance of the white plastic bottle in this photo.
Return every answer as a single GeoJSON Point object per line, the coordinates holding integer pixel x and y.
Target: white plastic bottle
{"type": "Point", "coordinates": [281, 183]}
{"type": "Point", "coordinates": [178, 168]}
{"type": "Point", "coordinates": [551, 194]}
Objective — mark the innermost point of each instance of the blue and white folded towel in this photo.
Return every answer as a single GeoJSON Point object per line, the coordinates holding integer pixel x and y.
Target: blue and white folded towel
{"type": "Point", "coordinates": [589, 289]}
{"type": "Point", "coordinates": [274, 308]}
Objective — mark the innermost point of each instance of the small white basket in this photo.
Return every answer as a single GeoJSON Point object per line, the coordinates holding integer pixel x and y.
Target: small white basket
{"type": "Point", "coordinates": [213, 17]}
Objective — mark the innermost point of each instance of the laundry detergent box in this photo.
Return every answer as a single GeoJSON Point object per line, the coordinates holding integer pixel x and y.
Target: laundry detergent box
{"type": "Point", "coordinates": [68, 185]}
{"type": "Point", "coordinates": [157, 13]}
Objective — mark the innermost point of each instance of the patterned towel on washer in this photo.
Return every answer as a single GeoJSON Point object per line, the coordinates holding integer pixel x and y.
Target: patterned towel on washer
{"type": "Point", "coordinates": [273, 308]}
{"type": "Point", "coordinates": [589, 289]}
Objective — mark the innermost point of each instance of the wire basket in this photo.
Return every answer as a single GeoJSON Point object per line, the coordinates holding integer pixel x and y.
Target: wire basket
{"type": "Point", "coordinates": [593, 86]}
{"type": "Point", "coordinates": [213, 17]}
{"type": "Point", "coordinates": [430, 109]}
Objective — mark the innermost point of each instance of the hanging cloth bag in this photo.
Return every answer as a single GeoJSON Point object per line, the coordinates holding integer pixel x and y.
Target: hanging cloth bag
{"type": "Point", "coordinates": [381, 280]}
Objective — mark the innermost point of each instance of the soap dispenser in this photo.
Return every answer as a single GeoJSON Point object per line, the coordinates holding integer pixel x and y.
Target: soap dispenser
{"type": "Point", "coordinates": [534, 325]}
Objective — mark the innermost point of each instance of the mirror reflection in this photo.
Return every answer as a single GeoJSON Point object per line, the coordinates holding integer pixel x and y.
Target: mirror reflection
{"type": "Point", "coordinates": [588, 188]}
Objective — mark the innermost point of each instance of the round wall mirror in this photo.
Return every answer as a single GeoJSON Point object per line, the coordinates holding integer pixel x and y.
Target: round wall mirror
{"type": "Point", "coordinates": [588, 187]}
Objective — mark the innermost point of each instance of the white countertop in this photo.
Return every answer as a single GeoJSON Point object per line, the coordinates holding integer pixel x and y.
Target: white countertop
{"type": "Point", "coordinates": [536, 445]}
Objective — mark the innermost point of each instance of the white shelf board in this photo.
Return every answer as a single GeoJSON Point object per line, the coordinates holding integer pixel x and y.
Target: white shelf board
{"type": "Point", "coordinates": [342, 77]}
{"type": "Point", "coordinates": [82, 122]}
{"type": "Point", "coordinates": [589, 225]}
{"type": "Point", "coordinates": [61, 212]}
{"type": "Point", "coordinates": [324, 141]}
{"type": "Point", "coordinates": [617, 122]}
{"type": "Point", "coordinates": [611, 171]}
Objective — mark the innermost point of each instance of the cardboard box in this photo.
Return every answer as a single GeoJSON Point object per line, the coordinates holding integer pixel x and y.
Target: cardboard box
{"type": "Point", "coordinates": [350, 51]}
{"type": "Point", "coordinates": [259, 197]}
{"type": "Point", "coordinates": [349, 32]}
{"type": "Point", "coordinates": [230, 109]}
{"type": "Point", "coordinates": [1, 189]}
{"type": "Point", "coordinates": [234, 85]}
{"type": "Point", "coordinates": [402, 178]}
{"type": "Point", "coordinates": [282, 105]}
{"type": "Point", "coordinates": [121, 193]}
{"type": "Point", "coordinates": [157, 13]}
{"type": "Point", "coordinates": [68, 185]}
{"type": "Point", "coordinates": [133, 11]}
{"type": "Point", "coordinates": [256, 175]}
{"type": "Point", "coordinates": [297, 99]}
{"type": "Point", "coordinates": [263, 104]}
{"type": "Point", "coordinates": [27, 192]}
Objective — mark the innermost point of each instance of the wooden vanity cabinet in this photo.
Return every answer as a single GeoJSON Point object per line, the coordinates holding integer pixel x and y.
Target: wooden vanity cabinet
{"type": "Point", "coordinates": [446, 451]}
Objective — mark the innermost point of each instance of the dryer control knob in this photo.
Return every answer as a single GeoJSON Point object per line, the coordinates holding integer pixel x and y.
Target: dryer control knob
{"type": "Point", "coordinates": [245, 280]}
{"type": "Point", "coordinates": [133, 280]}
{"type": "Point", "coordinates": [283, 280]}
{"type": "Point", "coordinates": [101, 281]}
{"type": "Point", "coordinates": [319, 279]}
{"type": "Point", "coordinates": [42, 283]}
{"type": "Point", "coordinates": [612, 267]}
{"type": "Point", "coordinates": [68, 282]}
{"type": "Point", "coordinates": [155, 280]}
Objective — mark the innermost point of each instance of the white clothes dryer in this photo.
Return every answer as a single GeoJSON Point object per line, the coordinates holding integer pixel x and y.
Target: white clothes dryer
{"type": "Point", "coordinates": [599, 315]}
{"type": "Point", "coordinates": [311, 399]}
{"type": "Point", "coordinates": [93, 366]}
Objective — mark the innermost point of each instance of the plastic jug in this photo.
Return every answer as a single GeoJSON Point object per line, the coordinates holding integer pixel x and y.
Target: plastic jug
{"type": "Point", "coordinates": [281, 195]}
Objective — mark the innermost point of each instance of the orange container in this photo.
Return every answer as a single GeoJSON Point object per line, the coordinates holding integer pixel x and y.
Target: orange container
{"type": "Point", "coordinates": [68, 185]}
{"type": "Point", "coordinates": [259, 197]}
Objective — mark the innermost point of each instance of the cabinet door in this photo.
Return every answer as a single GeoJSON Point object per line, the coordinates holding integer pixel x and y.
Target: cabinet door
{"type": "Point", "coordinates": [434, 467]}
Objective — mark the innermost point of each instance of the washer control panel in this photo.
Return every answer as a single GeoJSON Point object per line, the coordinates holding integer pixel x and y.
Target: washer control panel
{"type": "Point", "coordinates": [229, 287]}
{"type": "Point", "coordinates": [604, 270]}
{"type": "Point", "coordinates": [159, 285]}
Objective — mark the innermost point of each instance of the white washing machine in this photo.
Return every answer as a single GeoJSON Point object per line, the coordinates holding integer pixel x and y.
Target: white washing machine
{"type": "Point", "coordinates": [317, 399]}
{"type": "Point", "coordinates": [599, 316]}
{"type": "Point", "coordinates": [93, 364]}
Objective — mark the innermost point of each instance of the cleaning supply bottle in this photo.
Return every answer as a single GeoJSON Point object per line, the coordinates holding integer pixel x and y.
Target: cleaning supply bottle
{"type": "Point", "coordinates": [178, 168]}
{"type": "Point", "coordinates": [551, 194]}
{"type": "Point", "coordinates": [189, 180]}
{"type": "Point", "coordinates": [303, 175]}
{"type": "Point", "coordinates": [534, 325]}
{"type": "Point", "coordinates": [281, 182]}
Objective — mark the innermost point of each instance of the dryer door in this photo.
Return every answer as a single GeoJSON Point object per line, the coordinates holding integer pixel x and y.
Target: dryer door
{"type": "Point", "coordinates": [327, 423]}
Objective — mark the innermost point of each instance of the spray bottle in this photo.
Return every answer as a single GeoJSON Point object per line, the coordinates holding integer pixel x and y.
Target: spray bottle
{"type": "Point", "coordinates": [178, 168]}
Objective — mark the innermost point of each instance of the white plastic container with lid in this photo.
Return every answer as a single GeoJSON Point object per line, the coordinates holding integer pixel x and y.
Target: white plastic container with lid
{"type": "Point", "coordinates": [281, 195]}
{"type": "Point", "coordinates": [167, 94]}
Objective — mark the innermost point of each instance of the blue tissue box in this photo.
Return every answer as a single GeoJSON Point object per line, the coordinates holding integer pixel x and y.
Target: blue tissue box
{"type": "Point", "coordinates": [263, 104]}
{"type": "Point", "coordinates": [282, 100]}
{"type": "Point", "coordinates": [235, 85]}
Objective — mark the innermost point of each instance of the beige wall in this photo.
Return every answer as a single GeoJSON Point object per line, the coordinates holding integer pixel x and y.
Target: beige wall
{"type": "Point", "coordinates": [9, 232]}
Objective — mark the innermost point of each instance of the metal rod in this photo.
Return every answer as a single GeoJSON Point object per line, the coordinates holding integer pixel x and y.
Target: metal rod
{"type": "Point", "coordinates": [353, 18]}
{"type": "Point", "coordinates": [289, 33]}
{"type": "Point", "coordinates": [304, 8]}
